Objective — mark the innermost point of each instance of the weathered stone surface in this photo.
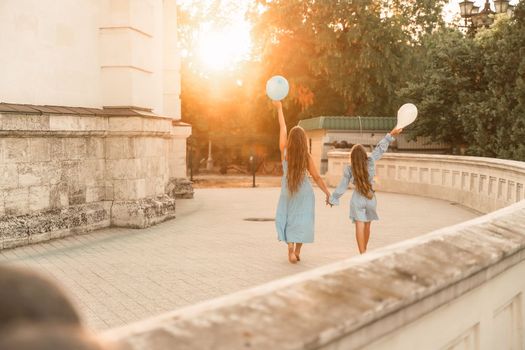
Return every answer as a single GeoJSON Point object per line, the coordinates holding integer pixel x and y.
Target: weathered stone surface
{"type": "Point", "coordinates": [15, 149]}
{"type": "Point", "coordinates": [150, 167]}
{"type": "Point", "coordinates": [125, 124]}
{"type": "Point", "coordinates": [92, 123]}
{"type": "Point", "coordinates": [119, 147]}
{"type": "Point", "coordinates": [40, 149]}
{"type": "Point", "coordinates": [23, 229]}
{"type": "Point", "coordinates": [16, 201]}
{"type": "Point", "coordinates": [143, 212]}
{"type": "Point", "coordinates": [8, 176]}
{"type": "Point", "coordinates": [59, 195]}
{"type": "Point", "coordinates": [2, 203]}
{"type": "Point", "coordinates": [75, 148]}
{"type": "Point", "coordinates": [157, 124]}
{"type": "Point", "coordinates": [64, 122]}
{"type": "Point", "coordinates": [92, 171]}
{"type": "Point", "coordinates": [30, 174]}
{"type": "Point", "coordinates": [151, 187]}
{"type": "Point", "coordinates": [95, 193]}
{"type": "Point", "coordinates": [109, 190]}
{"type": "Point", "coordinates": [53, 162]}
{"type": "Point", "coordinates": [17, 122]}
{"type": "Point", "coordinates": [177, 162]}
{"type": "Point", "coordinates": [149, 146]}
{"type": "Point", "coordinates": [95, 148]}
{"type": "Point", "coordinates": [129, 189]}
{"type": "Point", "coordinates": [70, 175]}
{"type": "Point", "coordinates": [57, 148]}
{"type": "Point", "coordinates": [120, 169]}
{"type": "Point", "coordinates": [180, 188]}
{"type": "Point", "coordinates": [51, 172]}
{"type": "Point", "coordinates": [39, 197]}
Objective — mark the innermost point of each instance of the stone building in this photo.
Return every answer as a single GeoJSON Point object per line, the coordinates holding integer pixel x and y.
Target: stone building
{"type": "Point", "coordinates": [90, 130]}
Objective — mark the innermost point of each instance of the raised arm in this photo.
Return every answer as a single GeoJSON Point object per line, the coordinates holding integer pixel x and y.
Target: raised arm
{"type": "Point", "coordinates": [342, 187]}
{"type": "Point", "coordinates": [382, 146]}
{"type": "Point", "coordinates": [283, 133]}
{"type": "Point", "coordinates": [312, 169]}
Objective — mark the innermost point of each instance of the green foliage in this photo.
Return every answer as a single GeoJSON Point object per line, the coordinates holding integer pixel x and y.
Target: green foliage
{"type": "Point", "coordinates": [351, 56]}
{"type": "Point", "coordinates": [449, 64]}
{"type": "Point", "coordinates": [472, 90]}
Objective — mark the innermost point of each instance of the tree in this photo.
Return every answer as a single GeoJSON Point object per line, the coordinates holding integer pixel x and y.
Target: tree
{"type": "Point", "coordinates": [472, 91]}
{"type": "Point", "coordinates": [359, 51]}
{"type": "Point", "coordinates": [451, 75]}
{"type": "Point", "coordinates": [344, 57]}
{"type": "Point", "coordinates": [498, 120]}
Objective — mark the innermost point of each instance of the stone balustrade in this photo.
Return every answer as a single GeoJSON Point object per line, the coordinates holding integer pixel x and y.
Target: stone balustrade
{"type": "Point", "coordinates": [460, 287]}
{"type": "Point", "coordinates": [483, 184]}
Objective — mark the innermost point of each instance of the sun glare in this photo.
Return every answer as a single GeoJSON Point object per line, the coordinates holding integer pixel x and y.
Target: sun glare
{"type": "Point", "coordinates": [222, 48]}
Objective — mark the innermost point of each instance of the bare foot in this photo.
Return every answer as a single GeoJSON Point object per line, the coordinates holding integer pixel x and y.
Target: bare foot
{"type": "Point", "coordinates": [292, 257]}
{"type": "Point", "coordinates": [297, 256]}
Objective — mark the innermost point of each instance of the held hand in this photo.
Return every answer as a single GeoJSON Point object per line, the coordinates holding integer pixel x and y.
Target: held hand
{"type": "Point", "coordinates": [327, 201]}
{"type": "Point", "coordinates": [278, 104]}
{"type": "Point", "coordinates": [396, 132]}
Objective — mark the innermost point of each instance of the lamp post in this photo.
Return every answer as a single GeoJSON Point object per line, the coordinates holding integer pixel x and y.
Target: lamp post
{"type": "Point", "coordinates": [476, 18]}
{"type": "Point", "coordinates": [252, 168]}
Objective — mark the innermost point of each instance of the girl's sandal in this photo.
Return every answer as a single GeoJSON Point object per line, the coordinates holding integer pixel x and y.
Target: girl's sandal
{"type": "Point", "coordinates": [297, 257]}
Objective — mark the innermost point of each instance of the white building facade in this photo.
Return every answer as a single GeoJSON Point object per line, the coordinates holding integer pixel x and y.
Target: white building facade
{"type": "Point", "coordinates": [89, 115]}
{"type": "Point", "coordinates": [91, 53]}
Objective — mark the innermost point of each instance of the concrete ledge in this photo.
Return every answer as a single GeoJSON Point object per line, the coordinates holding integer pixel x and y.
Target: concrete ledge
{"type": "Point", "coordinates": [33, 228]}
{"type": "Point", "coordinates": [350, 304]}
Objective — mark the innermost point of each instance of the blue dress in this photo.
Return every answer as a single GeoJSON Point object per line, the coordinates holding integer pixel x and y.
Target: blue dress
{"type": "Point", "coordinates": [362, 208]}
{"type": "Point", "coordinates": [295, 217]}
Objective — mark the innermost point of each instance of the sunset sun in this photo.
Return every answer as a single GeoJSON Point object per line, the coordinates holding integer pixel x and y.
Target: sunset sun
{"type": "Point", "coordinates": [222, 48]}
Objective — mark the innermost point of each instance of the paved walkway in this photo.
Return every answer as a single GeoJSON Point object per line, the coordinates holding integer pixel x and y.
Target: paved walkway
{"type": "Point", "coordinates": [117, 276]}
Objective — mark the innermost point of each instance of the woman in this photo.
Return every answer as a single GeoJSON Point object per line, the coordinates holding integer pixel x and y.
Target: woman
{"type": "Point", "coordinates": [295, 211]}
{"type": "Point", "coordinates": [361, 173]}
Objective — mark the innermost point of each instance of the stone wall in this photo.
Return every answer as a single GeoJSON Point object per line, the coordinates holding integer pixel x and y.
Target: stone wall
{"type": "Point", "coordinates": [460, 287]}
{"type": "Point", "coordinates": [68, 173]}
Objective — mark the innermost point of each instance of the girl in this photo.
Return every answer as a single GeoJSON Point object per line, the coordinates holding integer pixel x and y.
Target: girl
{"type": "Point", "coordinates": [295, 212]}
{"type": "Point", "coordinates": [361, 173]}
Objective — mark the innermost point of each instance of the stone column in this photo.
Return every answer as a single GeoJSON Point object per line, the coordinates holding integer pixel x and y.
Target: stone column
{"type": "Point", "coordinates": [137, 170]}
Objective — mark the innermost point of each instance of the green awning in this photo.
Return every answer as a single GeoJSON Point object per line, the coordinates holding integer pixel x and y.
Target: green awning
{"type": "Point", "coordinates": [349, 123]}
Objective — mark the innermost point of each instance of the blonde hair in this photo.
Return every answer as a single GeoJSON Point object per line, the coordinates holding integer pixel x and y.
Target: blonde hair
{"type": "Point", "coordinates": [297, 156]}
{"type": "Point", "coordinates": [359, 161]}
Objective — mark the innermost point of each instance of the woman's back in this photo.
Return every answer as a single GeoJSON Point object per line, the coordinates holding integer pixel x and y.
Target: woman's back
{"type": "Point", "coordinates": [295, 219]}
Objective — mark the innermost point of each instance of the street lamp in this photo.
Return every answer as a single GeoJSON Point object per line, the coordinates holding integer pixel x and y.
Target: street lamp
{"type": "Point", "coordinates": [476, 18]}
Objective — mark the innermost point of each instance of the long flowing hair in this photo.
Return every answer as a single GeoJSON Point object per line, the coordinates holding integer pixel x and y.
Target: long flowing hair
{"type": "Point", "coordinates": [359, 161]}
{"type": "Point", "coordinates": [297, 156]}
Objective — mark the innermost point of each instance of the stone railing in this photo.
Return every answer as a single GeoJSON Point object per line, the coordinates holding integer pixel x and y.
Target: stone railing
{"type": "Point", "coordinates": [460, 287]}
{"type": "Point", "coordinates": [483, 184]}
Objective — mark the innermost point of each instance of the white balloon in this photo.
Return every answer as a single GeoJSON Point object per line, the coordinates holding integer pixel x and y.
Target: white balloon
{"type": "Point", "coordinates": [406, 115]}
{"type": "Point", "coordinates": [277, 88]}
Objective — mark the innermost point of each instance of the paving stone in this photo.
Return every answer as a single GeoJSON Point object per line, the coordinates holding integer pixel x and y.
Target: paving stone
{"type": "Point", "coordinates": [119, 275]}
